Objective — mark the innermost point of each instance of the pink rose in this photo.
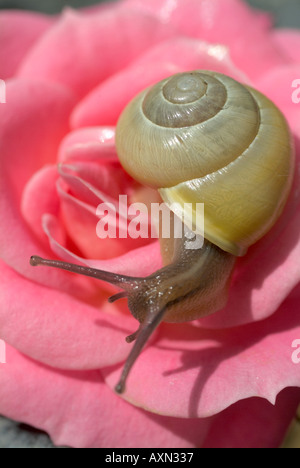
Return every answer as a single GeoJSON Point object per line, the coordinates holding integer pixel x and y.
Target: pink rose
{"type": "Point", "coordinates": [228, 380]}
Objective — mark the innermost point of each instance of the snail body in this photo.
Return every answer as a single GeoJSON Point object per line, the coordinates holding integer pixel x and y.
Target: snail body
{"type": "Point", "coordinates": [199, 137]}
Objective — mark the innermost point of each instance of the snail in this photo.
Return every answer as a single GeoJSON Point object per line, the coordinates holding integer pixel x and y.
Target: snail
{"type": "Point", "coordinates": [199, 137]}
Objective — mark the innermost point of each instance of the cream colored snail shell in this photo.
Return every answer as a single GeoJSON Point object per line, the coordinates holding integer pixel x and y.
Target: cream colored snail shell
{"type": "Point", "coordinates": [202, 137]}
{"type": "Point", "coordinates": [199, 137]}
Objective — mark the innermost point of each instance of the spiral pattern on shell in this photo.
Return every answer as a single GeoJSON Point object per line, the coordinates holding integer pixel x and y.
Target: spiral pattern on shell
{"type": "Point", "coordinates": [185, 127]}
{"type": "Point", "coordinates": [202, 137]}
{"type": "Point", "coordinates": [184, 100]}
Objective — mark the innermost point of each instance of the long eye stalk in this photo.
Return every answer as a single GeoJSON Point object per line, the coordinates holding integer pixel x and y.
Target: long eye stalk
{"type": "Point", "coordinates": [113, 278]}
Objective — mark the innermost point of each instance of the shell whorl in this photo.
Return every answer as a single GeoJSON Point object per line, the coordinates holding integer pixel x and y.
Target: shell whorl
{"type": "Point", "coordinates": [202, 137]}
{"type": "Point", "coordinates": [184, 100]}
{"type": "Point", "coordinates": [186, 127]}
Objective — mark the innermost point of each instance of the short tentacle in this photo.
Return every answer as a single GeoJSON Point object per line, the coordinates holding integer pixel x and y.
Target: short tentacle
{"type": "Point", "coordinates": [155, 315]}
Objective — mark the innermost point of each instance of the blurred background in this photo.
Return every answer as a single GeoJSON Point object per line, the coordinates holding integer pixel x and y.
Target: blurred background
{"type": "Point", "coordinates": [286, 13]}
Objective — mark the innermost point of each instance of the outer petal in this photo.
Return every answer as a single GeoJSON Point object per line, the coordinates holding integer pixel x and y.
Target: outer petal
{"type": "Point", "coordinates": [19, 30]}
{"type": "Point", "coordinates": [32, 123]}
{"type": "Point", "coordinates": [198, 373]}
{"type": "Point", "coordinates": [105, 420]}
{"type": "Point", "coordinates": [58, 330]}
{"type": "Point", "coordinates": [169, 9]}
{"type": "Point", "coordinates": [277, 85]}
{"type": "Point", "coordinates": [104, 104]}
{"type": "Point", "coordinates": [254, 423]}
{"type": "Point", "coordinates": [91, 47]}
{"type": "Point", "coordinates": [232, 23]}
{"type": "Point", "coordinates": [78, 410]}
{"type": "Point", "coordinates": [288, 42]}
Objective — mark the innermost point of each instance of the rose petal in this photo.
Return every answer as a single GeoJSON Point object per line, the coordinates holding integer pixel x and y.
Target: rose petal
{"type": "Point", "coordinates": [90, 49]}
{"type": "Point", "coordinates": [86, 188]}
{"type": "Point", "coordinates": [277, 85]}
{"type": "Point", "coordinates": [50, 407]}
{"type": "Point", "coordinates": [40, 197]}
{"type": "Point", "coordinates": [59, 330]}
{"type": "Point", "coordinates": [37, 113]}
{"type": "Point", "coordinates": [95, 143]}
{"type": "Point", "coordinates": [104, 104]}
{"type": "Point", "coordinates": [138, 262]}
{"type": "Point", "coordinates": [167, 10]}
{"type": "Point", "coordinates": [62, 402]}
{"type": "Point", "coordinates": [81, 221]}
{"type": "Point", "coordinates": [78, 182]}
{"type": "Point", "coordinates": [288, 42]}
{"type": "Point", "coordinates": [216, 22]}
{"type": "Point", "coordinates": [19, 31]}
{"type": "Point", "coordinates": [254, 423]}
{"type": "Point", "coordinates": [193, 372]}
